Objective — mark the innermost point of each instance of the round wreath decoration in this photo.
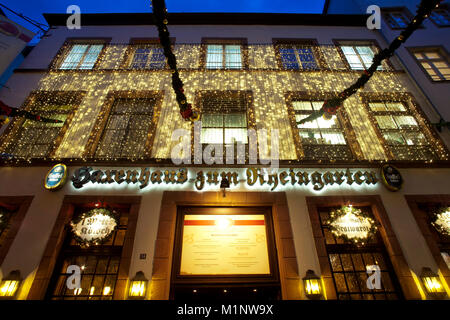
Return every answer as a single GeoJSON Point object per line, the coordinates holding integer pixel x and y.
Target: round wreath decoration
{"type": "Point", "coordinates": [104, 234]}
{"type": "Point", "coordinates": [441, 220]}
{"type": "Point", "coordinates": [349, 215]}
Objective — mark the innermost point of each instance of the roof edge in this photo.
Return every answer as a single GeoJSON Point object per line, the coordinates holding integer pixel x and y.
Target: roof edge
{"type": "Point", "coordinates": [111, 19]}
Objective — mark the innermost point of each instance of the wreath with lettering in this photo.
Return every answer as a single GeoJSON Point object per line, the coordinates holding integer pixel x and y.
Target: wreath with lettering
{"type": "Point", "coordinates": [83, 218]}
{"type": "Point", "coordinates": [441, 220]}
{"type": "Point", "coordinates": [4, 219]}
{"type": "Point", "coordinates": [370, 231]}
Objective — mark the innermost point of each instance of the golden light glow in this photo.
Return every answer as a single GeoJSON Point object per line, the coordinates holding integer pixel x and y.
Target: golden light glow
{"type": "Point", "coordinates": [312, 286]}
{"type": "Point", "coordinates": [432, 283]}
{"type": "Point", "coordinates": [92, 291]}
{"type": "Point", "coordinates": [77, 291]}
{"type": "Point", "coordinates": [223, 222]}
{"type": "Point", "coordinates": [268, 82]}
{"type": "Point", "coordinates": [106, 291]}
{"type": "Point", "coordinates": [138, 288]}
{"type": "Point", "coordinates": [9, 288]}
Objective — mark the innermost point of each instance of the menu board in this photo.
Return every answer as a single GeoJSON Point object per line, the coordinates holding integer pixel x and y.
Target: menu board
{"type": "Point", "coordinates": [224, 245]}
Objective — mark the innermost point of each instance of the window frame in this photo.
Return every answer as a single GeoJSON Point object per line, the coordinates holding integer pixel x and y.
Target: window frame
{"type": "Point", "coordinates": [250, 117]}
{"type": "Point", "coordinates": [445, 7]}
{"type": "Point", "coordinates": [223, 42]}
{"type": "Point", "coordinates": [416, 203]}
{"type": "Point", "coordinates": [440, 50]}
{"type": "Point", "coordinates": [135, 43]}
{"type": "Point", "coordinates": [19, 205]}
{"type": "Point", "coordinates": [65, 49]}
{"type": "Point", "coordinates": [12, 131]}
{"type": "Point", "coordinates": [406, 15]}
{"type": "Point", "coordinates": [373, 43]}
{"type": "Point", "coordinates": [313, 43]}
{"type": "Point", "coordinates": [102, 120]}
{"type": "Point", "coordinates": [347, 129]}
{"type": "Point", "coordinates": [391, 244]}
{"type": "Point", "coordinates": [411, 106]}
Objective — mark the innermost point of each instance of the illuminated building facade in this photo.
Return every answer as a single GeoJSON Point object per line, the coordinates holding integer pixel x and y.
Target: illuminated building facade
{"type": "Point", "coordinates": [138, 225]}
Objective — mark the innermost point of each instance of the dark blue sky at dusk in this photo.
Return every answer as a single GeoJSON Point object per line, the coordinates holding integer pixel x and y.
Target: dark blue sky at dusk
{"type": "Point", "coordinates": [35, 8]}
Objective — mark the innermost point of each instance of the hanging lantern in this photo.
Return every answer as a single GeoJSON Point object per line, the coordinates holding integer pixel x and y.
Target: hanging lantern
{"type": "Point", "coordinates": [432, 284]}
{"type": "Point", "coordinates": [312, 285]}
{"type": "Point", "coordinates": [138, 286]}
{"type": "Point", "coordinates": [10, 285]}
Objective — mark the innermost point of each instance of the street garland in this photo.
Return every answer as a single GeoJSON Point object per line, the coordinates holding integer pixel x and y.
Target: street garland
{"type": "Point", "coordinates": [85, 216]}
{"type": "Point", "coordinates": [330, 107]}
{"type": "Point", "coordinates": [7, 112]}
{"type": "Point", "coordinates": [160, 15]}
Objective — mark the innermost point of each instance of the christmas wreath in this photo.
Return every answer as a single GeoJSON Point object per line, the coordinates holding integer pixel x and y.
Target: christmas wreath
{"type": "Point", "coordinates": [350, 215]}
{"type": "Point", "coordinates": [91, 226]}
{"type": "Point", "coordinates": [441, 220]}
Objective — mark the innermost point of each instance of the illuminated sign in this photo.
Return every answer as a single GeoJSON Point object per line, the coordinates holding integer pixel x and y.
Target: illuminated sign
{"type": "Point", "coordinates": [391, 177]}
{"type": "Point", "coordinates": [94, 227]}
{"type": "Point", "coordinates": [350, 224]}
{"type": "Point", "coordinates": [56, 177]}
{"type": "Point", "coordinates": [224, 245]}
{"type": "Point", "coordinates": [144, 177]}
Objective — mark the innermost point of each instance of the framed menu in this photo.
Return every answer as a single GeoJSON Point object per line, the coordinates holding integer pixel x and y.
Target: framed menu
{"type": "Point", "coordinates": [224, 245]}
{"type": "Point", "coordinates": [232, 244]}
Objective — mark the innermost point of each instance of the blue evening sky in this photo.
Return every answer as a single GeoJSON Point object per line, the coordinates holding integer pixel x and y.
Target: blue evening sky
{"type": "Point", "coordinates": [35, 8]}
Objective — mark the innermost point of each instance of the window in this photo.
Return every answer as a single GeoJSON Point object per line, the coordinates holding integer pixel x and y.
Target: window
{"type": "Point", "coordinates": [400, 131]}
{"type": "Point", "coordinates": [348, 264]}
{"type": "Point", "coordinates": [297, 57]}
{"type": "Point", "coordinates": [434, 63]}
{"type": "Point", "coordinates": [99, 265]}
{"type": "Point", "coordinates": [320, 138]}
{"type": "Point", "coordinates": [440, 17]}
{"type": "Point", "coordinates": [82, 56]}
{"type": "Point", "coordinates": [148, 57]}
{"type": "Point", "coordinates": [224, 119]}
{"type": "Point", "coordinates": [359, 57]}
{"type": "Point", "coordinates": [127, 128]}
{"type": "Point", "coordinates": [396, 19]}
{"type": "Point", "coordinates": [36, 139]}
{"type": "Point", "coordinates": [319, 131]}
{"type": "Point", "coordinates": [223, 56]}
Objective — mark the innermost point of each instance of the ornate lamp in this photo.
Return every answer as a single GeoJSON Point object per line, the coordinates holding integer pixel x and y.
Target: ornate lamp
{"type": "Point", "coordinates": [138, 286]}
{"type": "Point", "coordinates": [432, 284]}
{"type": "Point", "coordinates": [10, 285]}
{"type": "Point", "coordinates": [312, 285]}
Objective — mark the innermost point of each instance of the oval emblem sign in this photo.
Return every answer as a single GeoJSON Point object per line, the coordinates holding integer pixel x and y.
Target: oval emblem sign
{"type": "Point", "coordinates": [56, 177]}
{"type": "Point", "coordinates": [391, 177]}
{"type": "Point", "coordinates": [94, 227]}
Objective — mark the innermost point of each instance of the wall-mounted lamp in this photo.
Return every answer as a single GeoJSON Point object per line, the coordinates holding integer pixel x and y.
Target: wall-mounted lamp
{"type": "Point", "coordinates": [432, 284]}
{"type": "Point", "coordinates": [138, 286]}
{"type": "Point", "coordinates": [312, 285]}
{"type": "Point", "coordinates": [10, 285]}
{"type": "Point", "coordinates": [224, 184]}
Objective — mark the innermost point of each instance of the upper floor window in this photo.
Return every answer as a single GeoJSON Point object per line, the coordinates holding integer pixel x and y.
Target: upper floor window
{"type": "Point", "coordinates": [319, 138]}
{"type": "Point", "coordinates": [401, 131]}
{"type": "Point", "coordinates": [225, 53]}
{"type": "Point", "coordinates": [359, 57]}
{"type": "Point", "coordinates": [224, 120]}
{"type": "Point", "coordinates": [440, 17]}
{"type": "Point", "coordinates": [81, 56]}
{"type": "Point", "coordinates": [396, 19]}
{"type": "Point", "coordinates": [148, 57]}
{"type": "Point", "coordinates": [36, 139]}
{"type": "Point", "coordinates": [127, 129]}
{"type": "Point", "coordinates": [319, 131]}
{"type": "Point", "coordinates": [434, 62]}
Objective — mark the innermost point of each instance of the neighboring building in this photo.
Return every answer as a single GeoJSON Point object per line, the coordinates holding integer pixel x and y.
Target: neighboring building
{"type": "Point", "coordinates": [426, 54]}
{"type": "Point", "coordinates": [16, 63]}
{"type": "Point", "coordinates": [109, 85]}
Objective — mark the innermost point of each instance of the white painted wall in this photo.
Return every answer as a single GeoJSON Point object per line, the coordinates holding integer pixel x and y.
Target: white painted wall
{"type": "Point", "coordinates": [28, 247]}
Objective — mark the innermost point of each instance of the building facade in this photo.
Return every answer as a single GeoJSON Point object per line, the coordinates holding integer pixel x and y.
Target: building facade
{"type": "Point", "coordinates": [252, 223]}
